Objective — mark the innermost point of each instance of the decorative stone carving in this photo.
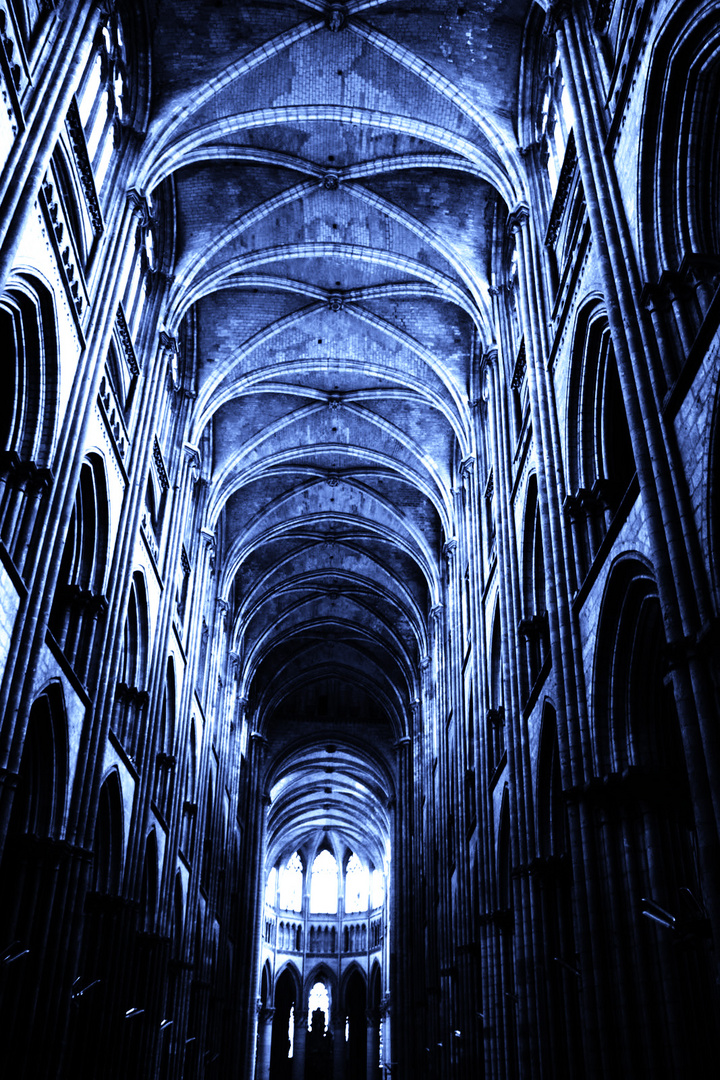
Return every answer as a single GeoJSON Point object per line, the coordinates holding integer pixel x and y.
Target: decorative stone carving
{"type": "Point", "coordinates": [449, 549]}
{"type": "Point", "coordinates": [139, 206]}
{"type": "Point", "coordinates": [82, 160]}
{"type": "Point", "coordinates": [336, 17]}
{"type": "Point", "coordinates": [517, 218]}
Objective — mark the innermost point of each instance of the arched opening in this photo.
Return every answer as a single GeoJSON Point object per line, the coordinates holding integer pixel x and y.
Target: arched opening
{"type": "Point", "coordinates": [534, 624]}
{"type": "Point", "coordinates": [28, 873]}
{"type": "Point", "coordinates": [355, 1027]}
{"type": "Point", "coordinates": [601, 462]}
{"type": "Point", "coordinates": [283, 1027]}
{"type": "Point", "coordinates": [79, 602]}
{"type": "Point", "coordinates": [647, 808]}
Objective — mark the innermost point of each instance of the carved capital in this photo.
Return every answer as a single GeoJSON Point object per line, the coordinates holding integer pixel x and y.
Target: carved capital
{"type": "Point", "coordinates": [139, 206]}
{"type": "Point", "coordinates": [167, 342]}
{"type": "Point", "coordinates": [192, 455]}
{"type": "Point", "coordinates": [449, 549]}
{"type": "Point", "coordinates": [517, 218]}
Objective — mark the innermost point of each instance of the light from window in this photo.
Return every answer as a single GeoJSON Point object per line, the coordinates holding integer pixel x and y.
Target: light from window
{"type": "Point", "coordinates": [324, 884]}
{"type": "Point", "coordinates": [378, 889]}
{"type": "Point", "coordinates": [356, 886]}
{"type": "Point", "coordinates": [291, 884]}
{"type": "Point", "coordinates": [291, 1031]}
{"type": "Point", "coordinates": [319, 999]}
{"type": "Point", "coordinates": [271, 887]}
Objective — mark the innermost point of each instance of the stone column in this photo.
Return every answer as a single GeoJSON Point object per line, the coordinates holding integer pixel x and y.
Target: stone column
{"type": "Point", "coordinates": [264, 1042]}
{"type": "Point", "coordinates": [339, 1047]}
{"type": "Point", "coordinates": [298, 1065]}
{"type": "Point", "coordinates": [372, 1046]}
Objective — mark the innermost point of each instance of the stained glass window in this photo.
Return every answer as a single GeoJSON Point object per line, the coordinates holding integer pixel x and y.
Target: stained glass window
{"type": "Point", "coordinates": [324, 884]}
{"type": "Point", "coordinates": [271, 887]}
{"type": "Point", "coordinates": [319, 999]}
{"type": "Point", "coordinates": [356, 885]}
{"type": "Point", "coordinates": [377, 888]}
{"type": "Point", "coordinates": [291, 884]}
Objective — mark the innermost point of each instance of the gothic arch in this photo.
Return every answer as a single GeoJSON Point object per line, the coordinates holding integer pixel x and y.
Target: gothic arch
{"type": "Point", "coordinates": [286, 1004]}
{"type": "Point", "coordinates": [644, 804]}
{"type": "Point", "coordinates": [28, 409]}
{"type": "Point", "coordinates": [291, 968]}
{"type": "Point", "coordinates": [149, 884]}
{"type": "Point", "coordinates": [79, 600]}
{"type": "Point", "coordinates": [680, 150]}
{"type": "Point", "coordinates": [323, 973]}
{"type": "Point", "coordinates": [165, 741]}
{"type": "Point", "coordinates": [635, 724]}
{"type": "Point", "coordinates": [600, 458]}
{"type": "Point", "coordinates": [131, 698]}
{"type": "Point", "coordinates": [108, 842]}
{"type": "Point", "coordinates": [177, 928]}
{"type": "Point", "coordinates": [533, 625]}
{"type": "Point", "coordinates": [39, 802]}
{"type": "Point", "coordinates": [353, 968]}
{"type": "Point", "coordinates": [496, 696]}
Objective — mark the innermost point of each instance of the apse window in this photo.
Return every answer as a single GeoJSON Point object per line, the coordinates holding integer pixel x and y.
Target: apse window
{"type": "Point", "coordinates": [291, 884]}
{"type": "Point", "coordinates": [271, 887]}
{"type": "Point", "coordinates": [319, 999]}
{"type": "Point", "coordinates": [356, 886]}
{"type": "Point", "coordinates": [377, 889]}
{"type": "Point", "coordinates": [324, 884]}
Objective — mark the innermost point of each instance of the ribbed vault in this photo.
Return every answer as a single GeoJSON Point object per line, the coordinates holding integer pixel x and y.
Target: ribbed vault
{"type": "Point", "coordinates": [337, 174]}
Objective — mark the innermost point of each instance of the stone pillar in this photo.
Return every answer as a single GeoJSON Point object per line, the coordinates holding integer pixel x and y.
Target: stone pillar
{"type": "Point", "coordinates": [339, 1056]}
{"type": "Point", "coordinates": [264, 1042]}
{"type": "Point", "coordinates": [372, 1046]}
{"type": "Point", "coordinates": [298, 1065]}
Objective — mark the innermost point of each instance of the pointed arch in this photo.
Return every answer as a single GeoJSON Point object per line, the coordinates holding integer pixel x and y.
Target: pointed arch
{"type": "Point", "coordinates": [149, 884]}
{"type": "Point", "coordinates": [108, 842]}
{"type": "Point", "coordinates": [534, 624]}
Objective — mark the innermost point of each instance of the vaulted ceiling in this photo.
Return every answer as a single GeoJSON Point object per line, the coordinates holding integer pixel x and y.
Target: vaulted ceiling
{"type": "Point", "coordinates": [336, 174]}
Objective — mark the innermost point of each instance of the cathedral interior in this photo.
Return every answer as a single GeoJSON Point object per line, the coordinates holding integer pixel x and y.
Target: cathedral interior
{"type": "Point", "coordinates": [360, 539]}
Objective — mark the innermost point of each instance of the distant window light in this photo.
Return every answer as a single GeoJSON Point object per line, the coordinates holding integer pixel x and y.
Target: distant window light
{"type": "Point", "coordinates": [271, 887]}
{"type": "Point", "coordinates": [291, 1031]}
{"type": "Point", "coordinates": [356, 886]}
{"type": "Point", "coordinates": [324, 884]}
{"type": "Point", "coordinates": [291, 884]}
{"type": "Point", "coordinates": [319, 999]}
{"type": "Point", "coordinates": [377, 888]}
